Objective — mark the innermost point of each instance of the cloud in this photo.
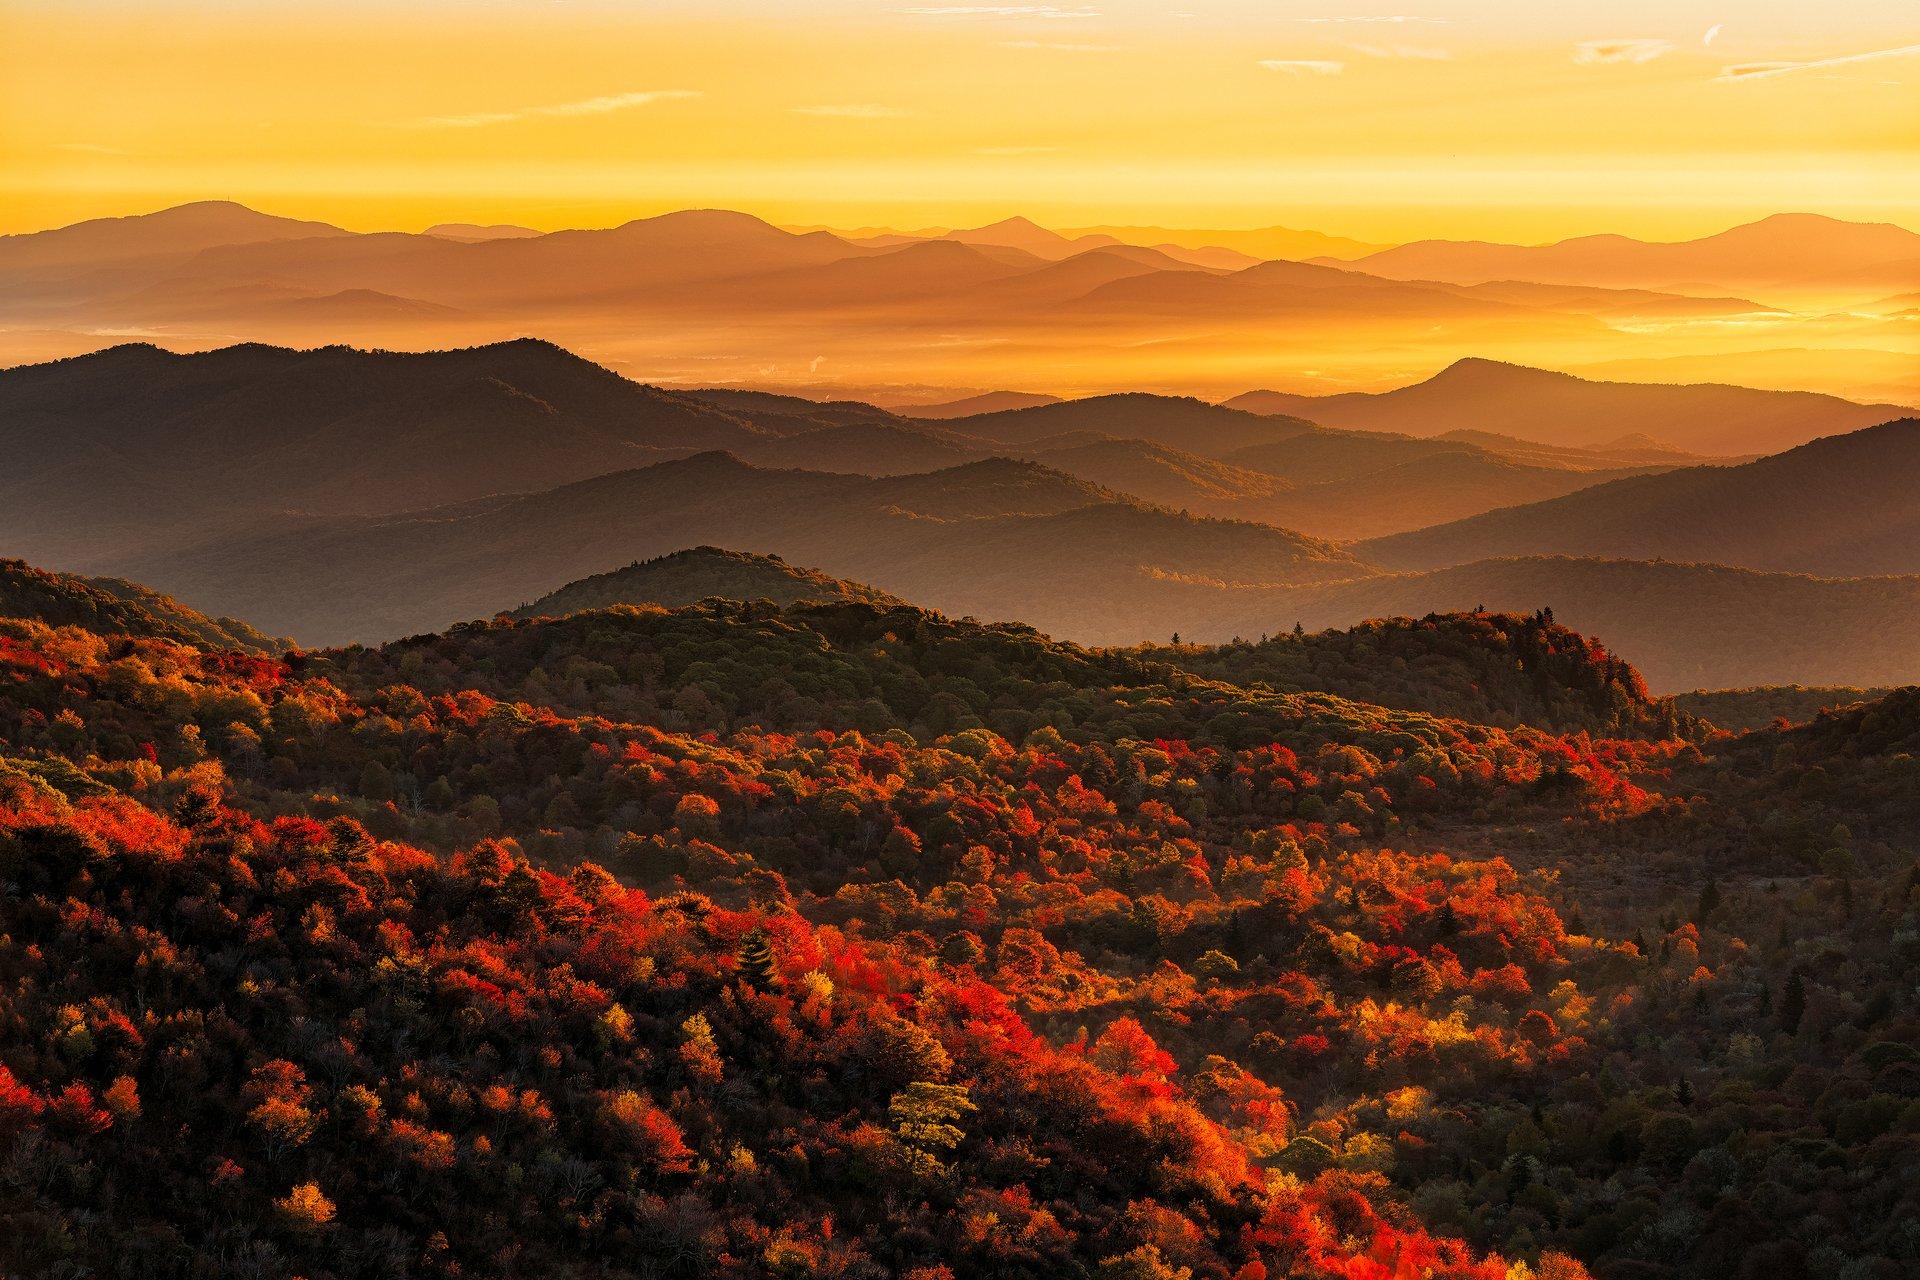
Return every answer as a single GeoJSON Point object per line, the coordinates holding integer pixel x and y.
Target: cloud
{"type": "Point", "coordinates": [998, 11]}
{"type": "Point", "coordinates": [1015, 151]}
{"type": "Point", "coordinates": [1304, 66]}
{"type": "Point", "coordinates": [1060, 45]}
{"type": "Point", "coordinates": [584, 107]}
{"type": "Point", "coordinates": [1417, 52]}
{"type": "Point", "coordinates": [1598, 52]}
{"type": "Point", "coordinates": [1397, 19]}
{"type": "Point", "coordinates": [1761, 70]}
{"type": "Point", "coordinates": [1712, 31]}
{"type": "Point", "coordinates": [852, 111]}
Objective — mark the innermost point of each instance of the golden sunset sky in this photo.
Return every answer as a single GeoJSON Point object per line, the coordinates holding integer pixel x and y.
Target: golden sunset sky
{"type": "Point", "coordinates": [1385, 121]}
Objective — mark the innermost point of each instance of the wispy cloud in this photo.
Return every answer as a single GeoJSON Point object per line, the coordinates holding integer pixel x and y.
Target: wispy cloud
{"type": "Point", "coordinates": [1761, 70]}
{"type": "Point", "coordinates": [1304, 66]}
{"type": "Point", "coordinates": [1602, 52]}
{"type": "Point", "coordinates": [1418, 52]}
{"type": "Point", "coordinates": [1394, 19]}
{"type": "Point", "coordinates": [1015, 151]}
{"type": "Point", "coordinates": [1062, 46]}
{"type": "Point", "coordinates": [1712, 32]}
{"type": "Point", "coordinates": [852, 111]}
{"type": "Point", "coordinates": [584, 107]}
{"type": "Point", "coordinates": [998, 11]}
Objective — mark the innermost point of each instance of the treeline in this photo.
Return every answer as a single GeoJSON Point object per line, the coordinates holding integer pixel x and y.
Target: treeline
{"type": "Point", "coordinates": [1491, 668]}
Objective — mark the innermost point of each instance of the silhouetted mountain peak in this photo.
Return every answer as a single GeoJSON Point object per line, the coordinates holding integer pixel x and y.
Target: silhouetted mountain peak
{"type": "Point", "coordinates": [1478, 370]}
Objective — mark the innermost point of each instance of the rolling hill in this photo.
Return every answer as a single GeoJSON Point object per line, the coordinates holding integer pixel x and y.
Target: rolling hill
{"type": "Point", "coordinates": [1560, 409]}
{"type": "Point", "coordinates": [114, 606]}
{"type": "Point", "coordinates": [1179, 422]}
{"type": "Point", "coordinates": [700, 573]}
{"type": "Point", "coordinates": [996, 538]}
{"type": "Point", "coordinates": [1842, 506]}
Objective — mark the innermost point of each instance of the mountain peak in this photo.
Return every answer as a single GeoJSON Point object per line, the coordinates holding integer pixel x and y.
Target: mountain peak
{"type": "Point", "coordinates": [1019, 222]}
{"type": "Point", "coordinates": [1479, 370]}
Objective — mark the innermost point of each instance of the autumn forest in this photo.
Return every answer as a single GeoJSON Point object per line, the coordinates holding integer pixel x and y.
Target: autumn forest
{"type": "Point", "coordinates": [835, 641]}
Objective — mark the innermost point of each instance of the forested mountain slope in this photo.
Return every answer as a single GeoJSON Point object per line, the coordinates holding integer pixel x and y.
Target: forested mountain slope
{"type": "Point", "coordinates": [117, 607]}
{"type": "Point", "coordinates": [699, 573]}
{"type": "Point", "coordinates": [1117, 970]}
{"type": "Point", "coordinates": [1490, 668]}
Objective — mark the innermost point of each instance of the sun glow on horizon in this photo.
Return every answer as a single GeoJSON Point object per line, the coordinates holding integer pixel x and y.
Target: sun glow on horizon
{"type": "Point", "coordinates": [1488, 120]}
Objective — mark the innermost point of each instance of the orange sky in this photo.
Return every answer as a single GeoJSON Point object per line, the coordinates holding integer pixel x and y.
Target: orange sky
{"type": "Point", "coordinates": [1383, 121]}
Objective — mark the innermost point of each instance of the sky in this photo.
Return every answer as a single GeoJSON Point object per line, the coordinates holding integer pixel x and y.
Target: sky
{"type": "Point", "coordinates": [1383, 121]}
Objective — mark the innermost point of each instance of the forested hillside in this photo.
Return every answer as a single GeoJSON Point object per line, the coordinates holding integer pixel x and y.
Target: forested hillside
{"type": "Point", "coordinates": [1000, 955]}
{"type": "Point", "coordinates": [116, 606]}
{"type": "Point", "coordinates": [1490, 668]}
{"type": "Point", "coordinates": [687, 577]}
{"type": "Point", "coordinates": [1758, 707]}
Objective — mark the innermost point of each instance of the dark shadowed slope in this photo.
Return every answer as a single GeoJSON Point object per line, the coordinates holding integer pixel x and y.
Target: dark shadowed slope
{"type": "Point", "coordinates": [868, 448]}
{"type": "Point", "coordinates": [1332, 484]}
{"type": "Point", "coordinates": [134, 445]}
{"type": "Point", "coordinates": [1180, 422]}
{"type": "Point", "coordinates": [1842, 506]}
{"type": "Point", "coordinates": [1560, 409]}
{"type": "Point", "coordinates": [700, 573]}
{"type": "Point", "coordinates": [996, 538]}
{"type": "Point", "coordinates": [787, 414]}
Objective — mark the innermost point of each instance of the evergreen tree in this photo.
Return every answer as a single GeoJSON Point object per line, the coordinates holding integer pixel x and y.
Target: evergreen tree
{"type": "Point", "coordinates": [1709, 902]}
{"type": "Point", "coordinates": [1793, 1004]}
{"type": "Point", "coordinates": [756, 959]}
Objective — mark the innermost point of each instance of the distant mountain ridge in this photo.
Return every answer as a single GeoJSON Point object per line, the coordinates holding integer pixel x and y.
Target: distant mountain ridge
{"type": "Point", "coordinates": [1841, 506]}
{"type": "Point", "coordinates": [995, 538]}
{"type": "Point", "coordinates": [1011, 304]}
{"type": "Point", "coordinates": [1559, 408]}
{"type": "Point", "coordinates": [1787, 248]}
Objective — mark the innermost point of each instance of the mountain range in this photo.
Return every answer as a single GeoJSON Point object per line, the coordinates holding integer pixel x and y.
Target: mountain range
{"type": "Point", "coordinates": [398, 493]}
{"type": "Point", "coordinates": [154, 447]}
{"type": "Point", "coordinates": [1789, 250]}
{"type": "Point", "coordinates": [695, 297]}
